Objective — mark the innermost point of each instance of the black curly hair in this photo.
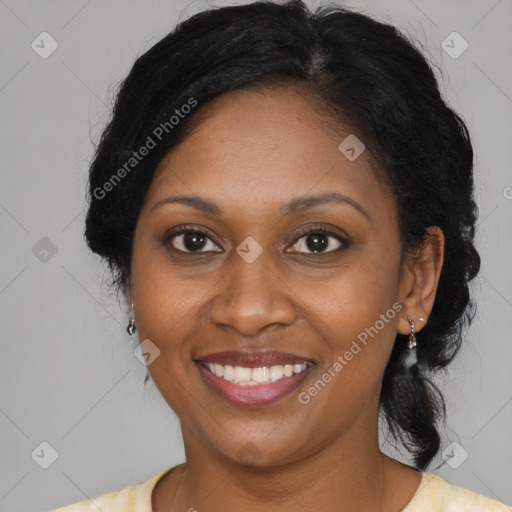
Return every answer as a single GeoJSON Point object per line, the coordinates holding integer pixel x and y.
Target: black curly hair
{"type": "Point", "coordinates": [368, 75]}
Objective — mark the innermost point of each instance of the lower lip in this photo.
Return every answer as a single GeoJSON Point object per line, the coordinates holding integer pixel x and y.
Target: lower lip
{"type": "Point", "coordinates": [260, 394]}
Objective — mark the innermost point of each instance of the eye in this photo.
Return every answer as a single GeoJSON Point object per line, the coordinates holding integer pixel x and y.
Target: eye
{"type": "Point", "coordinates": [318, 240]}
{"type": "Point", "coordinates": [189, 240]}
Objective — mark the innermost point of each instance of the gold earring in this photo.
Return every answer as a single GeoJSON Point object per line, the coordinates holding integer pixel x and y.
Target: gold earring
{"type": "Point", "coordinates": [412, 337]}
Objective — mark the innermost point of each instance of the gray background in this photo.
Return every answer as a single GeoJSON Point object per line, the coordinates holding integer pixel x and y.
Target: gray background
{"type": "Point", "coordinates": [68, 374]}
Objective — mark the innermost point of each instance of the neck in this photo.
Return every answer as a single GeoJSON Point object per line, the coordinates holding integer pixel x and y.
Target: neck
{"type": "Point", "coordinates": [351, 473]}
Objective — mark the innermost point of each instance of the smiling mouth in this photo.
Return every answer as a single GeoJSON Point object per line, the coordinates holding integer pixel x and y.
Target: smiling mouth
{"type": "Point", "coordinates": [253, 378]}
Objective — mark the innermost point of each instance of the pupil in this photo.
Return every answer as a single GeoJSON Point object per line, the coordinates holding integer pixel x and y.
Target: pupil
{"type": "Point", "coordinates": [190, 241]}
{"type": "Point", "coordinates": [319, 242]}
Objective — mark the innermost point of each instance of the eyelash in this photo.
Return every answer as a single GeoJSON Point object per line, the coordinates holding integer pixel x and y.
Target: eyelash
{"type": "Point", "coordinates": [315, 229]}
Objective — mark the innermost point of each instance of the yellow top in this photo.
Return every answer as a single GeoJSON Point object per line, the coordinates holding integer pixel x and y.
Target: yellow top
{"type": "Point", "coordinates": [433, 495]}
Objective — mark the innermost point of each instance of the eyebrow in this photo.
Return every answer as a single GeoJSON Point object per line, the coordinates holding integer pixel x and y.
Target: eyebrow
{"type": "Point", "coordinates": [296, 205]}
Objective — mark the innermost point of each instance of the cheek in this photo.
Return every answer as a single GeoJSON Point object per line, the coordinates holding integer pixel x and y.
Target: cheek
{"type": "Point", "coordinates": [160, 313]}
{"type": "Point", "coordinates": [358, 313]}
{"type": "Point", "coordinates": [360, 336]}
{"type": "Point", "coordinates": [164, 296]}
{"type": "Point", "coordinates": [165, 314]}
{"type": "Point", "coordinates": [355, 296]}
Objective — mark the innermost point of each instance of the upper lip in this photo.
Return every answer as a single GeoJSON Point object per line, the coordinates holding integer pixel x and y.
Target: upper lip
{"type": "Point", "coordinates": [254, 359]}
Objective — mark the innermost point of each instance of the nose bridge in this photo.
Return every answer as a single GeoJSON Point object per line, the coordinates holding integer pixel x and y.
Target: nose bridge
{"type": "Point", "coordinates": [251, 296]}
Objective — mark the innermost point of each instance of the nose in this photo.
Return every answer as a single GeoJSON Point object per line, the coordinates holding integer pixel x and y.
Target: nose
{"type": "Point", "coordinates": [251, 298]}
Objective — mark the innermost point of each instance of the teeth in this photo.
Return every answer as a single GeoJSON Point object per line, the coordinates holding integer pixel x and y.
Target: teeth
{"type": "Point", "coordinates": [242, 374]}
{"type": "Point", "coordinates": [219, 370]}
{"type": "Point", "coordinates": [252, 376]}
{"type": "Point", "coordinates": [261, 375]}
{"type": "Point", "coordinates": [276, 373]}
{"type": "Point", "coordinates": [297, 368]}
{"type": "Point", "coordinates": [229, 373]}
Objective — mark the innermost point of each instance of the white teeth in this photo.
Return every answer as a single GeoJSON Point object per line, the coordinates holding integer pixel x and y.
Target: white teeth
{"type": "Point", "coordinates": [252, 376]}
{"type": "Point", "coordinates": [276, 373]}
{"type": "Point", "coordinates": [297, 368]}
{"type": "Point", "coordinates": [219, 370]}
{"type": "Point", "coordinates": [229, 373]}
{"type": "Point", "coordinates": [242, 374]}
{"type": "Point", "coordinates": [261, 375]}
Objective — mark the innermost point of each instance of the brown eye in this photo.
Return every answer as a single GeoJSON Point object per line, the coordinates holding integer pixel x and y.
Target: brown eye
{"type": "Point", "coordinates": [191, 240]}
{"type": "Point", "coordinates": [319, 241]}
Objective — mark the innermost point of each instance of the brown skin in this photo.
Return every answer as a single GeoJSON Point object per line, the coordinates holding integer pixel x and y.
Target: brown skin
{"type": "Point", "coordinates": [257, 150]}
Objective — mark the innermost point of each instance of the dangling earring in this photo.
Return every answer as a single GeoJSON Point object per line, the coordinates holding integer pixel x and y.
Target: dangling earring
{"type": "Point", "coordinates": [131, 324]}
{"type": "Point", "coordinates": [412, 337]}
{"type": "Point", "coordinates": [410, 355]}
{"type": "Point", "coordinates": [131, 327]}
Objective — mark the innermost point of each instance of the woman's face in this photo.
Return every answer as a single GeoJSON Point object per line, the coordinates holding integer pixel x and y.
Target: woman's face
{"type": "Point", "coordinates": [254, 284]}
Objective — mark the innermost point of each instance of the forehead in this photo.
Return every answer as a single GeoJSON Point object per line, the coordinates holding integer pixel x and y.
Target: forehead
{"type": "Point", "coordinates": [265, 146]}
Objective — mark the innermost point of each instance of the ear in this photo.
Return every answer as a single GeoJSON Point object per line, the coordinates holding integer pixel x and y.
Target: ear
{"type": "Point", "coordinates": [420, 277]}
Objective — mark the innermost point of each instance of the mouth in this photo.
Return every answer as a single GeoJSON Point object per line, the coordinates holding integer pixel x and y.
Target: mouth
{"type": "Point", "coordinates": [253, 378]}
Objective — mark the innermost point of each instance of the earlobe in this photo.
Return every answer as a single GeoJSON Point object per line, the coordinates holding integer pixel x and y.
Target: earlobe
{"type": "Point", "coordinates": [418, 316]}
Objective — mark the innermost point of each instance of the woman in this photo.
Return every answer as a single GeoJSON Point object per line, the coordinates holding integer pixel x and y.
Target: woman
{"type": "Point", "coordinates": [287, 203]}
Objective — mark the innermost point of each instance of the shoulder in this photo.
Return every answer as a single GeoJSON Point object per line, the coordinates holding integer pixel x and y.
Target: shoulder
{"type": "Point", "coordinates": [436, 495]}
{"type": "Point", "coordinates": [135, 497]}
